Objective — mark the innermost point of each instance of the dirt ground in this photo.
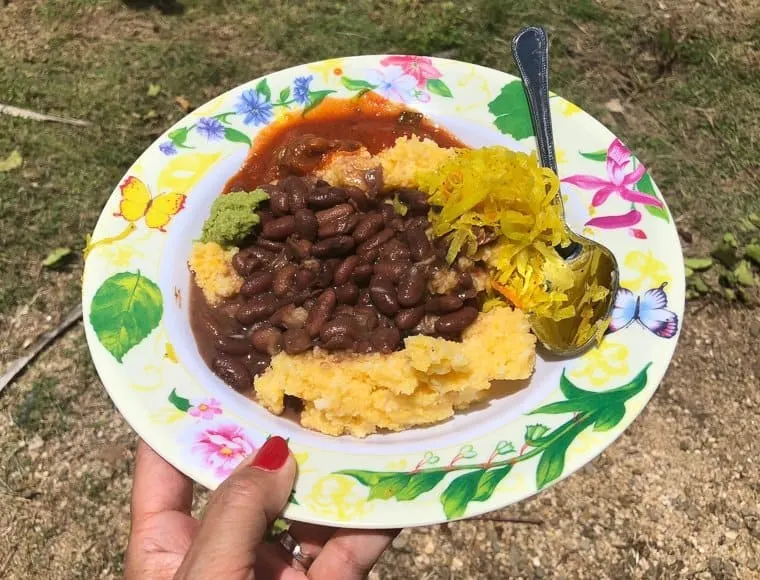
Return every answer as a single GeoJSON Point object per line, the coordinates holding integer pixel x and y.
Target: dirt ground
{"type": "Point", "coordinates": [678, 496]}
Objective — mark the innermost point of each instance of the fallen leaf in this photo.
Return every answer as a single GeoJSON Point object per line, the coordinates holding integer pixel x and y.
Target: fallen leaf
{"type": "Point", "coordinates": [698, 284]}
{"type": "Point", "coordinates": [150, 115]}
{"type": "Point", "coordinates": [614, 106]}
{"type": "Point", "coordinates": [698, 264]}
{"type": "Point", "coordinates": [153, 90]}
{"type": "Point", "coordinates": [13, 161]}
{"type": "Point", "coordinates": [730, 239]}
{"type": "Point", "coordinates": [56, 258]}
{"type": "Point", "coordinates": [754, 218]}
{"type": "Point", "coordinates": [743, 274]}
{"type": "Point", "coordinates": [183, 103]}
{"type": "Point", "coordinates": [725, 254]}
{"type": "Point", "coordinates": [752, 252]}
{"type": "Point", "coordinates": [688, 272]}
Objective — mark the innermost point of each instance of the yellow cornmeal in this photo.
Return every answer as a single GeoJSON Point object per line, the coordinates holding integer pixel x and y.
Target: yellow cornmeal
{"type": "Point", "coordinates": [213, 271]}
{"type": "Point", "coordinates": [424, 383]}
{"type": "Point", "coordinates": [400, 163]}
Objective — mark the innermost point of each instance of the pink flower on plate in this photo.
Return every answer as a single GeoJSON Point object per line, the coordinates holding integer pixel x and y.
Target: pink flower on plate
{"type": "Point", "coordinates": [393, 83]}
{"type": "Point", "coordinates": [618, 181]}
{"type": "Point", "coordinates": [419, 67]}
{"type": "Point", "coordinates": [222, 447]}
{"type": "Point", "coordinates": [206, 409]}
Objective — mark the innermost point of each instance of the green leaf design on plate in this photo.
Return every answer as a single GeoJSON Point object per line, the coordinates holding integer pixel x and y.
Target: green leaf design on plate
{"type": "Point", "coordinates": [263, 89]}
{"type": "Point", "coordinates": [438, 87]}
{"type": "Point", "coordinates": [459, 493]}
{"type": "Point", "coordinates": [179, 136]}
{"type": "Point", "coordinates": [600, 155]}
{"type": "Point", "coordinates": [646, 186]}
{"type": "Point", "coordinates": [124, 311]}
{"type": "Point", "coordinates": [488, 482]}
{"type": "Point", "coordinates": [511, 110]}
{"type": "Point", "coordinates": [284, 94]}
{"type": "Point", "coordinates": [316, 97]}
{"type": "Point", "coordinates": [236, 136]}
{"type": "Point", "coordinates": [602, 410]}
{"type": "Point", "coordinates": [356, 84]}
{"type": "Point", "coordinates": [181, 403]}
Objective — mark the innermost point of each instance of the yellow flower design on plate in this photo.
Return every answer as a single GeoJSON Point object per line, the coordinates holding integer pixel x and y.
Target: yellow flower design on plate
{"type": "Point", "coordinates": [569, 108]}
{"type": "Point", "coordinates": [166, 415]}
{"type": "Point", "coordinates": [652, 272]}
{"type": "Point", "coordinates": [600, 365]}
{"type": "Point", "coordinates": [339, 497]}
{"type": "Point", "coordinates": [586, 441]}
{"type": "Point", "coordinates": [184, 171]}
{"type": "Point", "coordinates": [397, 465]}
{"type": "Point", "coordinates": [326, 67]}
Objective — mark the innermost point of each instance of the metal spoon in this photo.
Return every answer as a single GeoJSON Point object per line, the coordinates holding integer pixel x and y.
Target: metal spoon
{"type": "Point", "coordinates": [587, 259]}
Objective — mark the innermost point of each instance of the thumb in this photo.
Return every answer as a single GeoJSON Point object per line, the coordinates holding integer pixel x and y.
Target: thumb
{"type": "Point", "coordinates": [239, 514]}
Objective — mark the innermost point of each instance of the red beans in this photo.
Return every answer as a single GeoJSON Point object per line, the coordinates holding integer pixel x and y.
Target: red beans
{"type": "Point", "coordinates": [280, 228]}
{"type": "Point", "coordinates": [257, 283]}
{"type": "Point", "coordinates": [320, 312]}
{"type": "Point", "coordinates": [267, 340]}
{"type": "Point", "coordinates": [409, 317]}
{"type": "Point", "coordinates": [339, 226]}
{"type": "Point", "coordinates": [368, 226]}
{"type": "Point", "coordinates": [339, 269]}
{"type": "Point", "coordinates": [419, 245]}
{"type": "Point", "coordinates": [456, 322]}
{"type": "Point", "coordinates": [306, 224]}
{"type": "Point", "coordinates": [385, 340]}
{"type": "Point", "coordinates": [284, 279]}
{"type": "Point", "coordinates": [383, 295]}
{"type": "Point", "coordinates": [347, 293]}
{"type": "Point", "coordinates": [335, 247]}
{"type": "Point", "coordinates": [233, 372]}
{"type": "Point", "coordinates": [444, 304]}
{"type": "Point", "coordinates": [256, 309]}
{"type": "Point", "coordinates": [411, 287]}
{"type": "Point", "coordinates": [296, 341]}
{"type": "Point", "coordinates": [344, 271]}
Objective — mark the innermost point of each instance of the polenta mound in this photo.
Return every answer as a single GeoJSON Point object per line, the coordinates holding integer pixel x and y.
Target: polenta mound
{"type": "Point", "coordinates": [424, 383]}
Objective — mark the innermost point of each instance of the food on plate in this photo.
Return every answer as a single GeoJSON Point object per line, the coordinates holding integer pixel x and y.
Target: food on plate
{"type": "Point", "coordinates": [233, 217]}
{"type": "Point", "coordinates": [366, 271]}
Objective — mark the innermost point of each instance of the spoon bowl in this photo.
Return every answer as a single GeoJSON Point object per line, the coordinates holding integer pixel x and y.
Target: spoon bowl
{"type": "Point", "coordinates": [589, 262]}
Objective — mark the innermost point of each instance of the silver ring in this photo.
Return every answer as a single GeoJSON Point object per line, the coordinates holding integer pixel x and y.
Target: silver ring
{"type": "Point", "coordinates": [292, 547]}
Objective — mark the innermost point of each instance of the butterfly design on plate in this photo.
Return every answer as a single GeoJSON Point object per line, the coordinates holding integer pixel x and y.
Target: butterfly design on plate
{"type": "Point", "coordinates": [649, 310]}
{"type": "Point", "coordinates": [137, 202]}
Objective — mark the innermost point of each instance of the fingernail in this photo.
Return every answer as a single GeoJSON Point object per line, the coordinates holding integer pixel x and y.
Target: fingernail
{"type": "Point", "coordinates": [272, 455]}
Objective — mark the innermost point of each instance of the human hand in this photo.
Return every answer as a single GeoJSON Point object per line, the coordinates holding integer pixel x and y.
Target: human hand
{"type": "Point", "coordinates": [167, 542]}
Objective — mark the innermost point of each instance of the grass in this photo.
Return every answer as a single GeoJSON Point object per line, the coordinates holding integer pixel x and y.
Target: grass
{"type": "Point", "coordinates": [688, 84]}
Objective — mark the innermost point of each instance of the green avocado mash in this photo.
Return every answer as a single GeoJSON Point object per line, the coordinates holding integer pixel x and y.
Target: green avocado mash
{"type": "Point", "coordinates": [232, 217]}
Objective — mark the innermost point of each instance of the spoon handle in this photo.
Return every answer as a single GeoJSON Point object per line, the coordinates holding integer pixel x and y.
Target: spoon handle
{"type": "Point", "coordinates": [530, 49]}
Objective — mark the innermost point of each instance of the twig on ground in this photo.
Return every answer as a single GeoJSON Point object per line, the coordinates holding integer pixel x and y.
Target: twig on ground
{"type": "Point", "coordinates": [498, 520]}
{"type": "Point", "coordinates": [34, 116]}
{"type": "Point", "coordinates": [45, 339]}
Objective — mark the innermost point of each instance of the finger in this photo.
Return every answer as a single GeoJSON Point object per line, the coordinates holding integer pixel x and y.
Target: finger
{"type": "Point", "coordinates": [350, 554]}
{"type": "Point", "coordinates": [240, 512]}
{"type": "Point", "coordinates": [273, 562]}
{"type": "Point", "coordinates": [157, 486]}
{"type": "Point", "coordinates": [311, 537]}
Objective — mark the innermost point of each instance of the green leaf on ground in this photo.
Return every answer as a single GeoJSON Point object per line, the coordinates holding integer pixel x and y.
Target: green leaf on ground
{"type": "Point", "coordinates": [743, 274]}
{"type": "Point", "coordinates": [124, 311]}
{"type": "Point", "coordinates": [730, 239]}
{"type": "Point", "coordinates": [13, 161]}
{"type": "Point", "coordinates": [56, 258]}
{"type": "Point", "coordinates": [688, 272]}
{"type": "Point", "coordinates": [698, 284]}
{"type": "Point", "coordinates": [153, 90]}
{"type": "Point", "coordinates": [752, 252]}
{"type": "Point", "coordinates": [725, 254]}
{"type": "Point", "coordinates": [698, 264]}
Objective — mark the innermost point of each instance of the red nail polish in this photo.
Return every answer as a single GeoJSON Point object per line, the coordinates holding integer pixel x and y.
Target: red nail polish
{"type": "Point", "coordinates": [272, 455]}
